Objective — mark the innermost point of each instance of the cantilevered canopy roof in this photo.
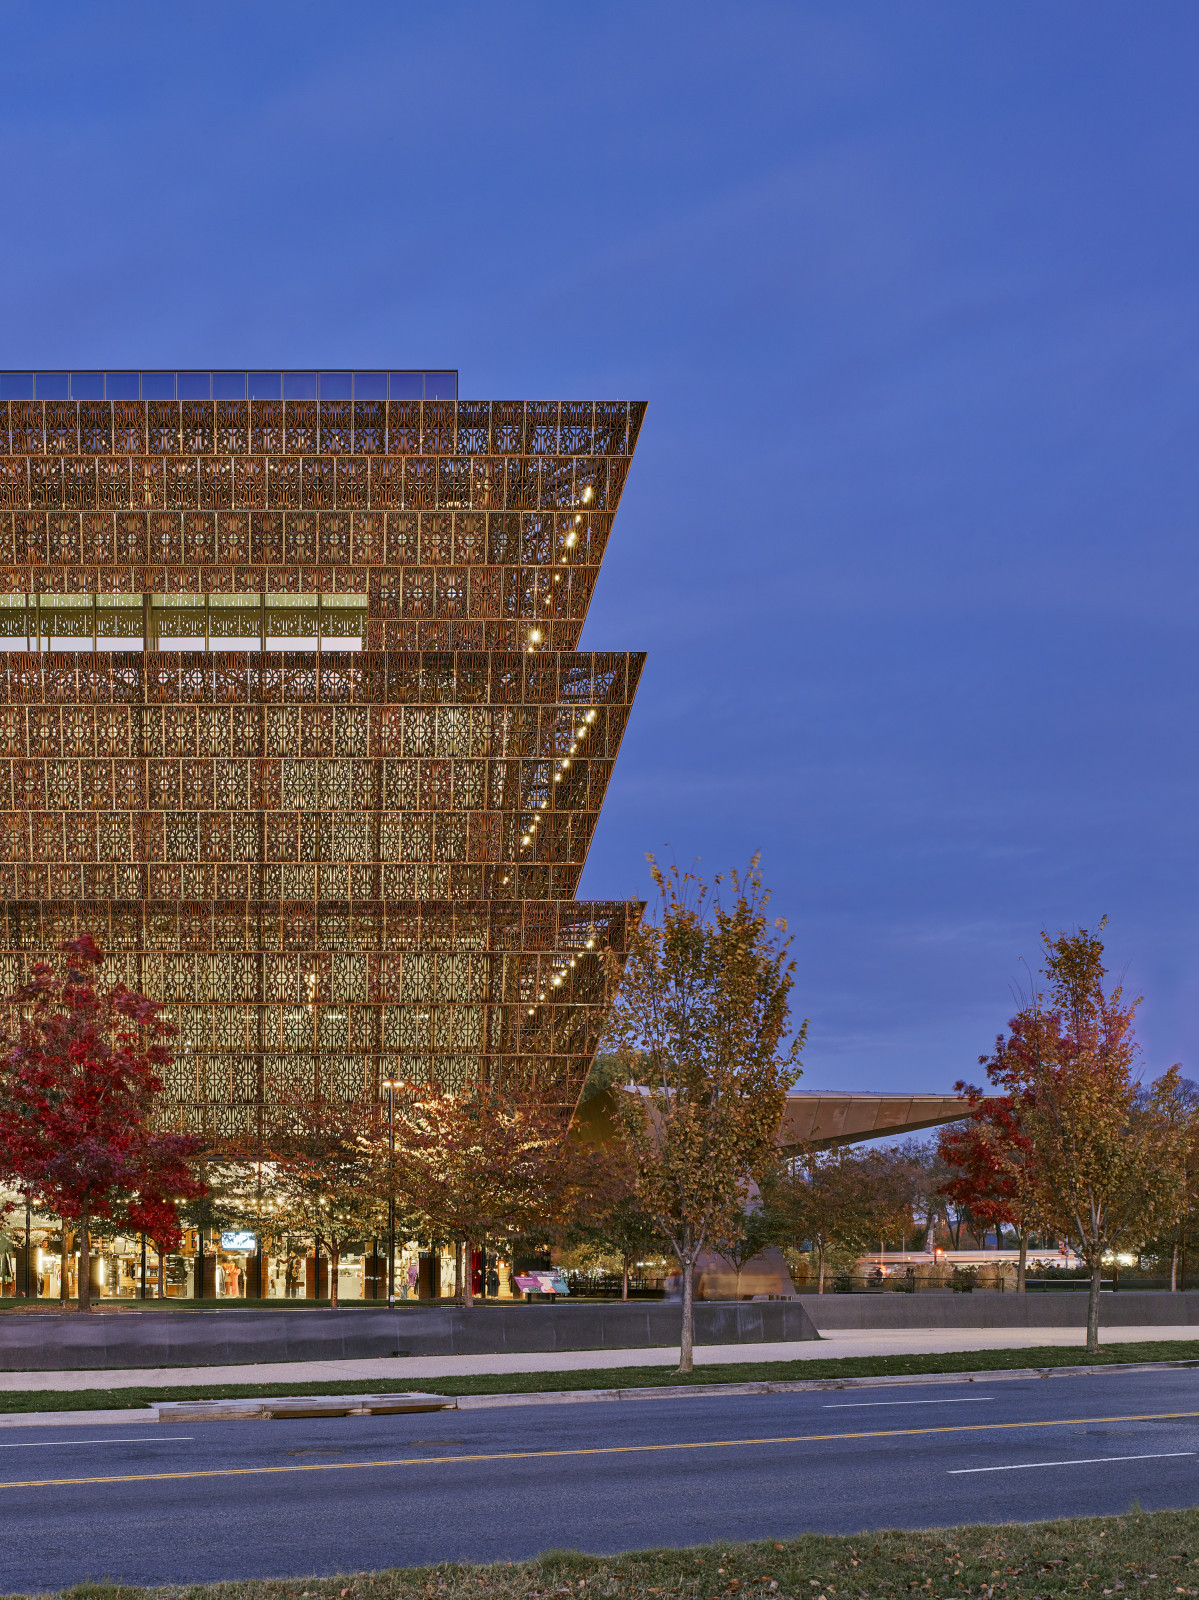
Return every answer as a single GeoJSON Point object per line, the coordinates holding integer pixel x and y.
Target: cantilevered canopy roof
{"type": "Point", "coordinates": [816, 1118]}
{"type": "Point", "coordinates": [825, 1119]}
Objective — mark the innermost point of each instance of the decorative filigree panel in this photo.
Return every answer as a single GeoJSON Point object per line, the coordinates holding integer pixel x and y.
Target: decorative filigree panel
{"type": "Point", "coordinates": [291, 719]}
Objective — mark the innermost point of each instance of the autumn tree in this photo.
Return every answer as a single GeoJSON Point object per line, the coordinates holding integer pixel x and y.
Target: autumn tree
{"type": "Point", "coordinates": [323, 1158]}
{"type": "Point", "coordinates": [988, 1160]}
{"type": "Point", "coordinates": [700, 1024]}
{"type": "Point", "coordinates": [480, 1163]}
{"type": "Point", "coordinates": [1180, 1106]}
{"type": "Point", "coordinates": [606, 1216]}
{"type": "Point", "coordinates": [1105, 1154]}
{"type": "Point", "coordinates": [843, 1201]}
{"type": "Point", "coordinates": [766, 1220]}
{"type": "Point", "coordinates": [80, 1082]}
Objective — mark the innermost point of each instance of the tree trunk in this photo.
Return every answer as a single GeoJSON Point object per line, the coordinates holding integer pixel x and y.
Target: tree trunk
{"type": "Point", "coordinates": [468, 1274]}
{"type": "Point", "coordinates": [1093, 1309]}
{"type": "Point", "coordinates": [1174, 1268]}
{"type": "Point", "coordinates": [458, 1272]}
{"type": "Point", "coordinates": [624, 1277]}
{"type": "Point", "coordinates": [819, 1271]}
{"type": "Point", "coordinates": [687, 1333]}
{"type": "Point", "coordinates": [85, 1262]}
{"type": "Point", "coordinates": [334, 1264]}
{"type": "Point", "coordinates": [64, 1281]}
{"type": "Point", "coordinates": [162, 1274]}
{"type": "Point", "coordinates": [1022, 1265]}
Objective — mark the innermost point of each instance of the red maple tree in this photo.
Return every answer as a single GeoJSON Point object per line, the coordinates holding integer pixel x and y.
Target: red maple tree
{"type": "Point", "coordinates": [79, 1083]}
{"type": "Point", "coordinates": [987, 1156]}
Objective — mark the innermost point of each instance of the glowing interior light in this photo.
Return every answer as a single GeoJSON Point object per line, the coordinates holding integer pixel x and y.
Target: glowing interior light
{"type": "Point", "coordinates": [531, 1010]}
{"type": "Point", "coordinates": [557, 777]}
{"type": "Point", "coordinates": [587, 493]}
{"type": "Point", "coordinates": [557, 579]}
{"type": "Point", "coordinates": [536, 636]}
{"type": "Point", "coordinates": [557, 981]}
{"type": "Point", "coordinates": [591, 716]}
{"type": "Point", "coordinates": [570, 539]}
{"type": "Point", "coordinates": [525, 840]}
{"type": "Point", "coordinates": [591, 944]}
{"type": "Point", "coordinates": [566, 763]}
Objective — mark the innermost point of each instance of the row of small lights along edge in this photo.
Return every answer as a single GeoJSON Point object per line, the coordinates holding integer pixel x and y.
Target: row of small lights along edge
{"type": "Point", "coordinates": [571, 540]}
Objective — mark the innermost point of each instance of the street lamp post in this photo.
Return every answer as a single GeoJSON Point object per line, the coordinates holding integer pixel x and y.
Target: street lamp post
{"type": "Point", "coordinates": [391, 1195]}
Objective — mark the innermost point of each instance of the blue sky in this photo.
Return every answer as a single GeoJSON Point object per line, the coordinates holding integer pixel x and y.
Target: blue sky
{"type": "Point", "coordinates": [911, 292]}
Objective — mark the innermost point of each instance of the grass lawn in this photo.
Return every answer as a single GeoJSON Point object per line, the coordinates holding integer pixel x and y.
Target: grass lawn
{"type": "Point", "coordinates": [615, 1378]}
{"type": "Point", "coordinates": [1155, 1554]}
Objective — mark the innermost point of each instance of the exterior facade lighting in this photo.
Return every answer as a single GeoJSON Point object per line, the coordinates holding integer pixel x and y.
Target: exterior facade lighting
{"type": "Point", "coordinates": [262, 647]}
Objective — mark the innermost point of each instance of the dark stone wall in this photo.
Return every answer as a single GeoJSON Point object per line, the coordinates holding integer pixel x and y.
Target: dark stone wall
{"type": "Point", "coordinates": [52, 1341]}
{"type": "Point", "coordinates": [989, 1309]}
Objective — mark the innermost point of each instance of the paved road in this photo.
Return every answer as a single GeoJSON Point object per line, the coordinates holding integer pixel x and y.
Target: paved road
{"type": "Point", "coordinates": [206, 1501]}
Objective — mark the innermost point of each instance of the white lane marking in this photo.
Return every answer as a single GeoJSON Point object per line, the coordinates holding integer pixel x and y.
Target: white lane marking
{"type": "Point", "coordinates": [857, 1405]}
{"type": "Point", "coordinates": [40, 1444]}
{"type": "Point", "coordinates": [1084, 1461]}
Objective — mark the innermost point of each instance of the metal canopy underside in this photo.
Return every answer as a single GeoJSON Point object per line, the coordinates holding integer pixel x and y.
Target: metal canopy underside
{"type": "Point", "coordinates": [825, 1120]}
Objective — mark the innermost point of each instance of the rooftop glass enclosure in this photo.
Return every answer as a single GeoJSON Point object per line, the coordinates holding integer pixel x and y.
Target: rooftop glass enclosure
{"type": "Point", "coordinates": [230, 385]}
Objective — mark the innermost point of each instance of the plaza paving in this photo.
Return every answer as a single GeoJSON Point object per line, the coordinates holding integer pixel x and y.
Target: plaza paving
{"type": "Point", "coordinates": [386, 1371]}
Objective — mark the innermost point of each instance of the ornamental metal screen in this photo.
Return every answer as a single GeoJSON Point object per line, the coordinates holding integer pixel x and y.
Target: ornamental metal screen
{"type": "Point", "coordinates": [292, 720]}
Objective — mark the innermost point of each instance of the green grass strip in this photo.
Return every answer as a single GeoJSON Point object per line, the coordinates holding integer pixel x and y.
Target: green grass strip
{"type": "Point", "coordinates": [1152, 1555]}
{"type": "Point", "coordinates": [16, 1400]}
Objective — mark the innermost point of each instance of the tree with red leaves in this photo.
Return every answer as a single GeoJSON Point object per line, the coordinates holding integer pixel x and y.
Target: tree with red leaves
{"type": "Point", "coordinates": [988, 1157]}
{"type": "Point", "coordinates": [79, 1084]}
{"type": "Point", "coordinates": [1106, 1153]}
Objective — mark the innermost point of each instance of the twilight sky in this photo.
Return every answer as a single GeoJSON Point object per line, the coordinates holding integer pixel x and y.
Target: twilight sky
{"type": "Point", "coordinates": [911, 292]}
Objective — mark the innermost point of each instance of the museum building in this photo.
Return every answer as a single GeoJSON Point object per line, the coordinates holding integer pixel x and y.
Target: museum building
{"type": "Point", "coordinates": [293, 721]}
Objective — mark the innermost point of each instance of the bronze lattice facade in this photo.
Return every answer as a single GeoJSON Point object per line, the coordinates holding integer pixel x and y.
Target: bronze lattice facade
{"type": "Point", "coordinates": [293, 720]}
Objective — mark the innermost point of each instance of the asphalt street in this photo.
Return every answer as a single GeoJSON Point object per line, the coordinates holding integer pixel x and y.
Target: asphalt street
{"type": "Point", "coordinates": [204, 1501]}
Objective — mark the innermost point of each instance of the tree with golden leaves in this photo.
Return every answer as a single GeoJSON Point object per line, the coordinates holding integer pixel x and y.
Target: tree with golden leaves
{"type": "Point", "coordinates": [603, 1214]}
{"type": "Point", "coordinates": [324, 1159]}
{"type": "Point", "coordinates": [701, 1024]}
{"type": "Point", "coordinates": [843, 1201]}
{"type": "Point", "coordinates": [1106, 1155]}
{"type": "Point", "coordinates": [479, 1164]}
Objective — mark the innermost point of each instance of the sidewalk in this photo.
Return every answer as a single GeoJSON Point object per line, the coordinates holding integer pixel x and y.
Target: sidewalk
{"type": "Point", "coordinates": [384, 1371]}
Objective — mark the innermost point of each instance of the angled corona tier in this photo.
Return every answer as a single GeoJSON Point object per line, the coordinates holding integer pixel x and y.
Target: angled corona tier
{"type": "Point", "coordinates": [292, 720]}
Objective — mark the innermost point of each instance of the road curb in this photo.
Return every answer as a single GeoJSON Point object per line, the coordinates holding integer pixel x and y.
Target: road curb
{"type": "Point", "coordinates": [471, 1402]}
{"type": "Point", "coordinates": [253, 1408]}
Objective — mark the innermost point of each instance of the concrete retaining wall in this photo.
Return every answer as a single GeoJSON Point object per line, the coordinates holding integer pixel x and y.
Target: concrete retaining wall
{"type": "Point", "coordinates": [989, 1309]}
{"type": "Point", "coordinates": [32, 1341]}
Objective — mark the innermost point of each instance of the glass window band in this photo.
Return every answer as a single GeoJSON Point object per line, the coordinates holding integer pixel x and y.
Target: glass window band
{"type": "Point", "coordinates": [48, 622]}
